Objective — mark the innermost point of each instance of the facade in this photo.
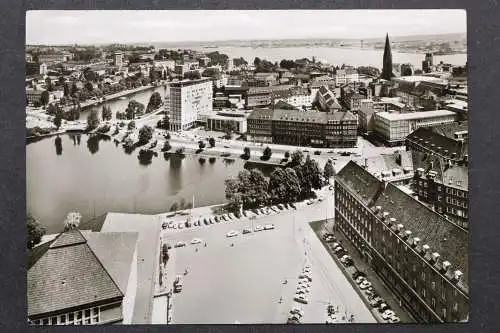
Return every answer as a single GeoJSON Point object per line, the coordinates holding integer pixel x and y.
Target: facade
{"type": "Point", "coordinates": [420, 256]}
{"type": "Point", "coordinates": [218, 121]}
{"type": "Point", "coordinates": [298, 98]}
{"type": "Point", "coordinates": [393, 128]}
{"type": "Point", "coordinates": [303, 128]}
{"type": "Point", "coordinates": [84, 278]}
{"type": "Point", "coordinates": [327, 101]}
{"type": "Point", "coordinates": [50, 59]}
{"type": "Point", "coordinates": [407, 70]}
{"type": "Point", "coordinates": [188, 98]}
{"type": "Point", "coordinates": [43, 69]}
{"type": "Point", "coordinates": [443, 185]}
{"type": "Point", "coordinates": [34, 96]}
{"type": "Point", "coordinates": [368, 106]}
{"type": "Point", "coordinates": [345, 76]}
{"type": "Point", "coordinates": [118, 59]}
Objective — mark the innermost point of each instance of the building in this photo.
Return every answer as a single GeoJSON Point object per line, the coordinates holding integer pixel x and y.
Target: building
{"type": "Point", "coordinates": [420, 91]}
{"type": "Point", "coordinates": [326, 100]}
{"type": "Point", "coordinates": [421, 256]}
{"type": "Point", "coordinates": [297, 97]}
{"type": "Point", "coordinates": [84, 278]}
{"type": "Point", "coordinates": [258, 98]}
{"type": "Point", "coordinates": [449, 142]}
{"type": "Point", "coordinates": [51, 59]}
{"type": "Point", "coordinates": [188, 98]}
{"type": "Point", "coordinates": [387, 60]}
{"type": "Point", "coordinates": [427, 64]}
{"type": "Point", "coordinates": [443, 185]}
{"type": "Point", "coordinates": [407, 70]}
{"type": "Point", "coordinates": [43, 69]}
{"type": "Point", "coordinates": [368, 106]}
{"type": "Point", "coordinates": [165, 65]}
{"type": "Point", "coordinates": [345, 76]}
{"type": "Point", "coordinates": [219, 121]}
{"type": "Point", "coordinates": [393, 128]}
{"type": "Point", "coordinates": [396, 168]}
{"type": "Point", "coordinates": [460, 107]}
{"type": "Point", "coordinates": [33, 96]}
{"type": "Point", "coordinates": [303, 128]}
{"type": "Point", "coordinates": [118, 59]}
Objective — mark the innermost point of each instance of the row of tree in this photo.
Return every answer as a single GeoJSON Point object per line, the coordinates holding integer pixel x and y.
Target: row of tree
{"type": "Point", "coordinates": [251, 189]}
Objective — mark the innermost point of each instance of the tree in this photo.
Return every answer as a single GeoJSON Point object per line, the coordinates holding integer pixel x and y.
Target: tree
{"type": "Point", "coordinates": [192, 75]}
{"type": "Point", "coordinates": [145, 134]}
{"type": "Point", "coordinates": [44, 97]}
{"type": "Point", "coordinates": [233, 195]}
{"type": "Point", "coordinates": [164, 253]}
{"type": "Point", "coordinates": [329, 171]}
{"type": "Point", "coordinates": [229, 128]}
{"type": "Point", "coordinates": [74, 89]}
{"type": "Point", "coordinates": [239, 61]}
{"type": "Point", "coordinates": [256, 62]}
{"type": "Point", "coordinates": [246, 153]}
{"type": "Point", "coordinates": [266, 154]}
{"type": "Point", "coordinates": [211, 141]}
{"type": "Point", "coordinates": [72, 221]}
{"type": "Point", "coordinates": [106, 113]}
{"type": "Point", "coordinates": [131, 125]}
{"type": "Point", "coordinates": [287, 64]}
{"type": "Point", "coordinates": [48, 84]}
{"type": "Point", "coordinates": [297, 158]}
{"type": "Point", "coordinates": [201, 144]}
{"type": "Point", "coordinates": [154, 101]}
{"type": "Point", "coordinates": [287, 154]}
{"type": "Point", "coordinates": [35, 231]}
{"type": "Point", "coordinates": [166, 146]}
{"type": "Point", "coordinates": [284, 185]}
{"type": "Point", "coordinates": [88, 85]}
{"type": "Point", "coordinates": [310, 177]}
{"type": "Point", "coordinates": [174, 207]}
{"type": "Point", "coordinates": [57, 120]}
{"type": "Point", "coordinates": [92, 120]}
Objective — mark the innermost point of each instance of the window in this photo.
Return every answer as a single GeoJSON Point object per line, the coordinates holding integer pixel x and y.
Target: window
{"type": "Point", "coordinates": [433, 303]}
{"type": "Point", "coordinates": [433, 285]}
{"type": "Point", "coordinates": [444, 313]}
{"type": "Point", "coordinates": [423, 293]}
{"type": "Point", "coordinates": [455, 307]}
{"type": "Point", "coordinates": [423, 276]}
{"type": "Point", "coordinates": [443, 295]}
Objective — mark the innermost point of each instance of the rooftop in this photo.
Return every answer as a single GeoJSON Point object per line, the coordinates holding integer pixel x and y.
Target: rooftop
{"type": "Point", "coordinates": [433, 139]}
{"type": "Point", "coordinates": [79, 268]}
{"type": "Point", "coordinates": [415, 115]}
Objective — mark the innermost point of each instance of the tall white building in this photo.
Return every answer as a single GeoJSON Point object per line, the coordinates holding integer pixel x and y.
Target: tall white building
{"type": "Point", "coordinates": [188, 98]}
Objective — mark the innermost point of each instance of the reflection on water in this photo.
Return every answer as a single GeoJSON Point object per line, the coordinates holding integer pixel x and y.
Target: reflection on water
{"type": "Point", "coordinates": [58, 145]}
{"type": "Point", "coordinates": [108, 180]}
{"type": "Point", "coordinates": [212, 160]}
{"type": "Point", "coordinates": [202, 160]}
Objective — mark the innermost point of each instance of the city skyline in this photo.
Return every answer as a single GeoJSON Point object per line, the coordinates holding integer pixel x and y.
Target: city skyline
{"type": "Point", "coordinates": [101, 27]}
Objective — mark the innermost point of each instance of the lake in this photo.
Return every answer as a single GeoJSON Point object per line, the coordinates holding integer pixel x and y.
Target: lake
{"type": "Point", "coordinates": [119, 105]}
{"type": "Point", "coordinates": [94, 176]}
{"type": "Point", "coordinates": [334, 56]}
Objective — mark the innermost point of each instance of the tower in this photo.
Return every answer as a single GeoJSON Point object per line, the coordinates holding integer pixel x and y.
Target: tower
{"type": "Point", "coordinates": [387, 60]}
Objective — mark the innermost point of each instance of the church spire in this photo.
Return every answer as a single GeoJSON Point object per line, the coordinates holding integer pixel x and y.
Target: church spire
{"type": "Point", "coordinates": [387, 61]}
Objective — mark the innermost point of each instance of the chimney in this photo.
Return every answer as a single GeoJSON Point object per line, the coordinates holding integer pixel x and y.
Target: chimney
{"type": "Point", "coordinates": [392, 221]}
{"type": "Point", "coordinates": [407, 234]}
{"type": "Point", "coordinates": [425, 249]}
{"type": "Point", "coordinates": [416, 240]}
{"type": "Point", "coordinates": [384, 216]}
{"type": "Point", "coordinates": [435, 257]}
{"type": "Point", "coordinates": [457, 275]}
{"type": "Point", "coordinates": [446, 266]}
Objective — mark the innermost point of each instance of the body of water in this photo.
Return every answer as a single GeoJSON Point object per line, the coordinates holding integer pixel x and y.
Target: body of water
{"type": "Point", "coordinates": [120, 104]}
{"type": "Point", "coordinates": [94, 176]}
{"type": "Point", "coordinates": [332, 55]}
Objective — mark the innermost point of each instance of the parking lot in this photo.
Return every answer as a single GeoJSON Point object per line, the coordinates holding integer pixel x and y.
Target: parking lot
{"type": "Point", "coordinates": [241, 278]}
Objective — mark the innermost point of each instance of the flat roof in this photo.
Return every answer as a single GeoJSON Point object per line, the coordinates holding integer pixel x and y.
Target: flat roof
{"type": "Point", "coordinates": [417, 78]}
{"type": "Point", "coordinates": [415, 115]}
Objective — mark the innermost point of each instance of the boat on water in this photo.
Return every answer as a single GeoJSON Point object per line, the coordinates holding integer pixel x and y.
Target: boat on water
{"type": "Point", "coordinates": [123, 97]}
{"type": "Point", "coordinates": [211, 47]}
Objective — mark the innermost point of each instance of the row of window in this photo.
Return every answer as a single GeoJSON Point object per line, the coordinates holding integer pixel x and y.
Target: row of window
{"type": "Point", "coordinates": [82, 317]}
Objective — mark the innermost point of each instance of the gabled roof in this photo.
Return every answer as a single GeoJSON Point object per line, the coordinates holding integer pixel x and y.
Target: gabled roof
{"type": "Point", "coordinates": [75, 272]}
{"type": "Point", "coordinates": [431, 139]}
{"type": "Point", "coordinates": [442, 236]}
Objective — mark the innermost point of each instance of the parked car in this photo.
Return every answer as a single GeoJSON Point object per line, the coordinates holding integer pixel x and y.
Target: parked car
{"type": "Point", "coordinates": [258, 228]}
{"type": "Point", "coordinates": [232, 216]}
{"type": "Point", "coordinates": [360, 279]}
{"type": "Point", "coordinates": [297, 311]}
{"type": "Point", "coordinates": [365, 284]}
{"type": "Point", "coordinates": [205, 221]}
{"type": "Point", "coordinates": [305, 276]}
{"type": "Point", "coordinates": [281, 206]}
{"type": "Point", "coordinates": [358, 273]}
{"type": "Point", "coordinates": [164, 225]}
{"type": "Point", "coordinates": [232, 233]}
{"type": "Point", "coordinates": [216, 218]}
{"type": "Point", "coordinates": [383, 307]}
{"type": "Point", "coordinates": [246, 231]}
{"type": "Point", "coordinates": [180, 226]}
{"type": "Point", "coordinates": [211, 220]}
{"type": "Point", "coordinates": [387, 314]}
{"type": "Point", "coordinates": [225, 217]}
{"type": "Point", "coordinates": [196, 241]}
{"type": "Point", "coordinates": [269, 227]}
{"type": "Point", "coordinates": [180, 244]}
{"type": "Point", "coordinates": [376, 302]}
{"type": "Point", "coordinates": [317, 152]}
{"type": "Point", "coordinates": [394, 320]}
{"type": "Point", "coordinates": [275, 209]}
{"type": "Point", "coordinates": [309, 202]}
{"type": "Point", "coordinates": [300, 299]}
{"type": "Point", "coordinates": [293, 205]}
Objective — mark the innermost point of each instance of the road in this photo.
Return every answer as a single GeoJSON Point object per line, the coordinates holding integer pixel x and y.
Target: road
{"type": "Point", "coordinates": [244, 282]}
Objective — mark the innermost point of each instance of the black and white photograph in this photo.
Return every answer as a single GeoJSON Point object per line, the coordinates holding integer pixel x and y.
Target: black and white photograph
{"type": "Point", "coordinates": [247, 167]}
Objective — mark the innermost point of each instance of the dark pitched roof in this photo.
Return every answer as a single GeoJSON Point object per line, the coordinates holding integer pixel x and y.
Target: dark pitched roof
{"type": "Point", "coordinates": [449, 130]}
{"type": "Point", "coordinates": [264, 114]}
{"type": "Point", "coordinates": [71, 274]}
{"type": "Point", "coordinates": [299, 116]}
{"type": "Point", "coordinates": [361, 182]}
{"type": "Point", "coordinates": [442, 236]}
{"type": "Point", "coordinates": [433, 140]}
{"type": "Point", "coordinates": [341, 115]}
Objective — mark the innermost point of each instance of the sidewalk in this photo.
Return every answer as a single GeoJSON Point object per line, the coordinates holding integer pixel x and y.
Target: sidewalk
{"type": "Point", "coordinates": [362, 266]}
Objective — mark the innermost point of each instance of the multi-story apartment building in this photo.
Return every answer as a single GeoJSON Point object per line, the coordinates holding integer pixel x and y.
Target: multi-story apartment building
{"type": "Point", "coordinates": [297, 97]}
{"type": "Point", "coordinates": [443, 184]}
{"type": "Point", "coordinates": [296, 127]}
{"type": "Point", "coordinates": [84, 278]}
{"type": "Point", "coordinates": [326, 100]}
{"type": "Point", "coordinates": [393, 128]}
{"type": "Point", "coordinates": [448, 142]}
{"type": "Point", "coordinates": [369, 106]}
{"type": "Point", "coordinates": [118, 59]}
{"type": "Point", "coordinates": [50, 59]}
{"type": "Point", "coordinates": [188, 98]}
{"type": "Point", "coordinates": [346, 75]}
{"type": "Point", "coordinates": [421, 256]}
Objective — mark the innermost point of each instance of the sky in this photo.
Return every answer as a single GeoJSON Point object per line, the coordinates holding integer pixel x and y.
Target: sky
{"type": "Point", "coordinates": [99, 26]}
